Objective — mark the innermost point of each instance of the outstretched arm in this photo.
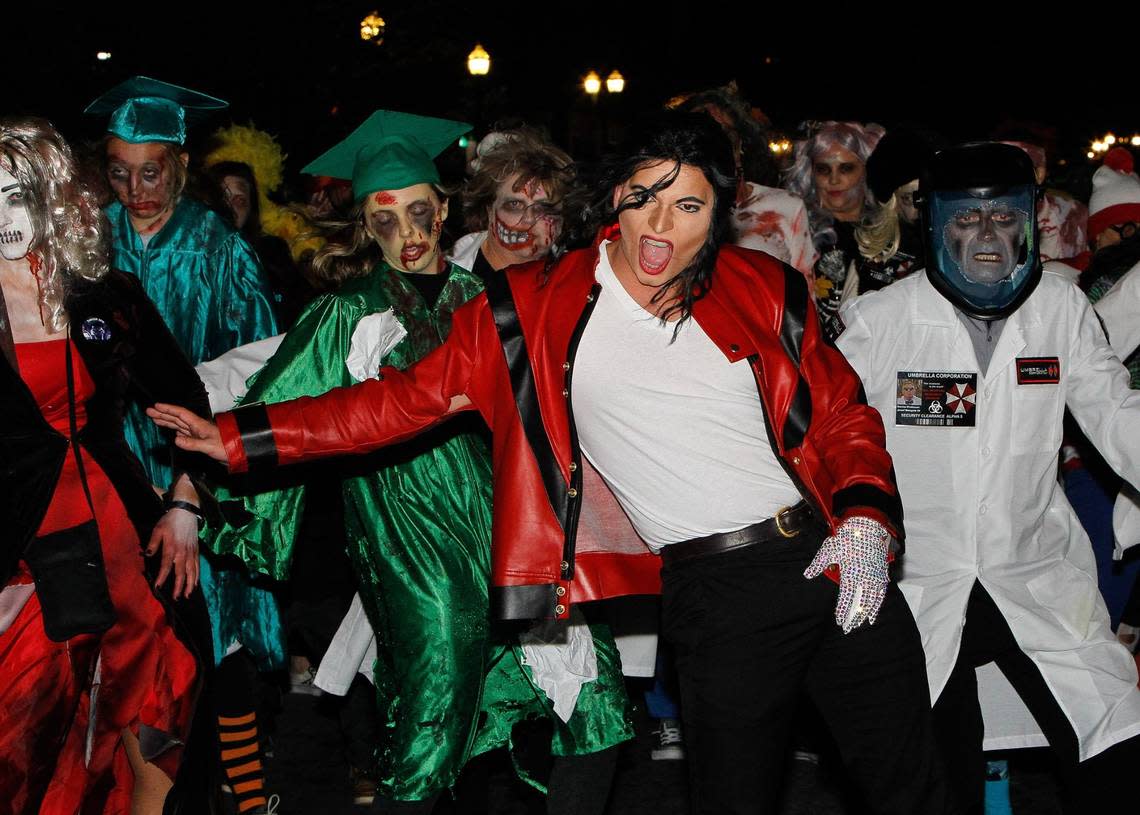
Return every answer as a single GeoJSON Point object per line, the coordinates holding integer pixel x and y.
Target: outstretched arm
{"type": "Point", "coordinates": [357, 419]}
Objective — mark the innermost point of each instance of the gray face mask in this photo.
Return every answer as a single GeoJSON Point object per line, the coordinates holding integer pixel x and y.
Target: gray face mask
{"type": "Point", "coordinates": [984, 247]}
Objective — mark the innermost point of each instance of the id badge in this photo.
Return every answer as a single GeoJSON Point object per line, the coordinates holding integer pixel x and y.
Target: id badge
{"type": "Point", "coordinates": [936, 398]}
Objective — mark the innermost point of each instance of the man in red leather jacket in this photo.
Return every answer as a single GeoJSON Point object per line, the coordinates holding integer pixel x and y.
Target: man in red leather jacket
{"type": "Point", "coordinates": [692, 380]}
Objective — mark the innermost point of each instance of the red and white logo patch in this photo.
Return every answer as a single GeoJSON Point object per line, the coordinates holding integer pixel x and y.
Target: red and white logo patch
{"type": "Point", "coordinates": [960, 397]}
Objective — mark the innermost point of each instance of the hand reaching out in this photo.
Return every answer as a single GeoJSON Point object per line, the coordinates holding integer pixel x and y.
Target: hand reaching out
{"type": "Point", "coordinates": [193, 433]}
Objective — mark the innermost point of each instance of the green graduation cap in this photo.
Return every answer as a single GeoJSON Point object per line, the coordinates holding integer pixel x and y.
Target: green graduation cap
{"type": "Point", "coordinates": [145, 110]}
{"type": "Point", "coordinates": [390, 151]}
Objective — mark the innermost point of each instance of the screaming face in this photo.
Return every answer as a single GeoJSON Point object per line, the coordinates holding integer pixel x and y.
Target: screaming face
{"type": "Point", "coordinates": [15, 220]}
{"type": "Point", "coordinates": [661, 236]}
{"type": "Point", "coordinates": [407, 224]}
{"type": "Point", "coordinates": [524, 223]}
{"type": "Point", "coordinates": [143, 181]}
{"type": "Point", "coordinates": [985, 240]}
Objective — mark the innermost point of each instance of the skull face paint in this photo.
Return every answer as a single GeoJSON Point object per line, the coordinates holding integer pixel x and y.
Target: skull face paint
{"type": "Point", "coordinates": [407, 224]}
{"type": "Point", "coordinates": [524, 223]}
{"type": "Point", "coordinates": [985, 240]}
{"type": "Point", "coordinates": [840, 182]}
{"type": "Point", "coordinates": [143, 181]}
{"type": "Point", "coordinates": [15, 219]}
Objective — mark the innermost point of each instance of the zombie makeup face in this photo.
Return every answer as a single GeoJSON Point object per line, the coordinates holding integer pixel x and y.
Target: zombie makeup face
{"type": "Point", "coordinates": [238, 198]}
{"type": "Point", "coordinates": [660, 238]}
{"type": "Point", "coordinates": [523, 222]}
{"type": "Point", "coordinates": [839, 181]}
{"type": "Point", "coordinates": [143, 181]}
{"type": "Point", "coordinates": [407, 224]}
{"type": "Point", "coordinates": [904, 197]}
{"type": "Point", "coordinates": [15, 219]}
{"type": "Point", "coordinates": [985, 240]}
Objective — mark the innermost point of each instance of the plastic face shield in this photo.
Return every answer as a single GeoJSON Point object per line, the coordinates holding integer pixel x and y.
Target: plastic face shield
{"type": "Point", "coordinates": [984, 247]}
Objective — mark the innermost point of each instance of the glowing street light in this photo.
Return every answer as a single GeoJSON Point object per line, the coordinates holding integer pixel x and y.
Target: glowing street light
{"type": "Point", "coordinates": [372, 28]}
{"type": "Point", "coordinates": [592, 84]}
{"type": "Point", "coordinates": [478, 61]}
{"type": "Point", "coordinates": [615, 82]}
{"type": "Point", "coordinates": [102, 56]}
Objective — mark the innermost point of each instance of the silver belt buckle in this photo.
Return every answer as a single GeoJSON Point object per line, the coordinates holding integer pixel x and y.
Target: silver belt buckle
{"type": "Point", "coordinates": [786, 533]}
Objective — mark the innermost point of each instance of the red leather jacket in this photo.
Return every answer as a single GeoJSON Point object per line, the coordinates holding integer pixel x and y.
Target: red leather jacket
{"type": "Point", "coordinates": [511, 353]}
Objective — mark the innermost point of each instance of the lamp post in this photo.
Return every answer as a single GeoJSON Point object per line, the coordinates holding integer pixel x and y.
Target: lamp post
{"type": "Point", "coordinates": [372, 28]}
{"type": "Point", "coordinates": [478, 61]}
{"type": "Point", "coordinates": [592, 84]}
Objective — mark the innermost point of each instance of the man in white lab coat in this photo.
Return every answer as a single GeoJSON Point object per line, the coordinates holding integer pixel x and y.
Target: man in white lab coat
{"type": "Point", "coordinates": [998, 570]}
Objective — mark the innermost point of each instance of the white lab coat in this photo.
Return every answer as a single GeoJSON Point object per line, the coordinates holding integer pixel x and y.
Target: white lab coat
{"type": "Point", "coordinates": [983, 502]}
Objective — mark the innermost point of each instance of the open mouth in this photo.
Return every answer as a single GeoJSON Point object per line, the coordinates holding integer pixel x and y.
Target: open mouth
{"type": "Point", "coordinates": [412, 252]}
{"type": "Point", "coordinates": [987, 257]}
{"type": "Point", "coordinates": [11, 236]}
{"type": "Point", "coordinates": [654, 254]}
{"type": "Point", "coordinates": [512, 239]}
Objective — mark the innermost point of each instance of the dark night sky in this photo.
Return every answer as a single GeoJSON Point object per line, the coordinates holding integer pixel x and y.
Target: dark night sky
{"type": "Point", "coordinates": [288, 66]}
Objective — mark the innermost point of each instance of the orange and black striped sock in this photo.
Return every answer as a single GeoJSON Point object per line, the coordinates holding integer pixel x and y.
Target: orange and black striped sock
{"type": "Point", "coordinates": [241, 760]}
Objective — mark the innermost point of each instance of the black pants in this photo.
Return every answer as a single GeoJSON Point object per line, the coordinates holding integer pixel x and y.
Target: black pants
{"type": "Point", "coordinates": [959, 728]}
{"type": "Point", "coordinates": [750, 634]}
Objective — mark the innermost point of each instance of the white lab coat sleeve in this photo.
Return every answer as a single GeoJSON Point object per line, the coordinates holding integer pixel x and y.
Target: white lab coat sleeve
{"type": "Point", "coordinates": [1098, 393]}
{"type": "Point", "coordinates": [1119, 310]}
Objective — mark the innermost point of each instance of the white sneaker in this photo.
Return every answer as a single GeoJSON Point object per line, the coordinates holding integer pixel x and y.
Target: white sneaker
{"type": "Point", "coordinates": [667, 742]}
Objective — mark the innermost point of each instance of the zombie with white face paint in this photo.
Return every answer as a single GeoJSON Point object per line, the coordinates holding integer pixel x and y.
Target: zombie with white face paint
{"type": "Point", "coordinates": [449, 684]}
{"type": "Point", "coordinates": [515, 201]}
{"type": "Point", "coordinates": [658, 395]}
{"type": "Point", "coordinates": [15, 218]}
{"type": "Point", "coordinates": [77, 342]}
{"type": "Point", "coordinates": [998, 572]}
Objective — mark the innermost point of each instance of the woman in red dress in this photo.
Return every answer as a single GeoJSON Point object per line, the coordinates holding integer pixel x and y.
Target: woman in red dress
{"type": "Point", "coordinates": [98, 662]}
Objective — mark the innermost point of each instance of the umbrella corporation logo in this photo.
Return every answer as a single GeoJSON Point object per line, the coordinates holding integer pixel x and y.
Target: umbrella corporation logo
{"type": "Point", "coordinates": [936, 398]}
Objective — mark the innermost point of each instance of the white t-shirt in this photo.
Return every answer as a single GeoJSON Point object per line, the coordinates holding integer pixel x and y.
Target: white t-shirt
{"type": "Point", "coordinates": [674, 428]}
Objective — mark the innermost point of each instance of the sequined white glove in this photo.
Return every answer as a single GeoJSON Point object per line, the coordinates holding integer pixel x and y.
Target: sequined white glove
{"type": "Point", "coordinates": [859, 549]}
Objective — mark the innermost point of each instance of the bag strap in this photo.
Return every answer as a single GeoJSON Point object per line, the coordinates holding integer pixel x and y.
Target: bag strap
{"type": "Point", "coordinates": [73, 424]}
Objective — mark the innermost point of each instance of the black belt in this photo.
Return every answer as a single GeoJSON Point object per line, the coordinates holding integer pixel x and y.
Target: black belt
{"type": "Point", "coordinates": [787, 523]}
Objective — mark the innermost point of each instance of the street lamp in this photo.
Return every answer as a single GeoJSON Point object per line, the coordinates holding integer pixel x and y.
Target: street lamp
{"type": "Point", "coordinates": [478, 61]}
{"type": "Point", "coordinates": [615, 82]}
{"type": "Point", "coordinates": [372, 28]}
{"type": "Point", "coordinates": [592, 83]}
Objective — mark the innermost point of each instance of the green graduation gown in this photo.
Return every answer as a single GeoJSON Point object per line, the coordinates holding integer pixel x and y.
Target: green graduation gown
{"type": "Point", "coordinates": [209, 287]}
{"type": "Point", "coordinates": [449, 684]}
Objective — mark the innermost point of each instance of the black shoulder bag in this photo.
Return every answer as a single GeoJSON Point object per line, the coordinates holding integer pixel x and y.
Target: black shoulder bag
{"type": "Point", "coordinates": [71, 581]}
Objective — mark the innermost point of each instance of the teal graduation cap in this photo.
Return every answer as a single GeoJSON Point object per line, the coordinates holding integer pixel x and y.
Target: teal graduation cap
{"type": "Point", "coordinates": [149, 110]}
{"type": "Point", "coordinates": [389, 151]}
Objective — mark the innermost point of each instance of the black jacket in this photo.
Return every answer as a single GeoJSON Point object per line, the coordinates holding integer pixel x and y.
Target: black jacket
{"type": "Point", "coordinates": [130, 354]}
{"type": "Point", "coordinates": [137, 360]}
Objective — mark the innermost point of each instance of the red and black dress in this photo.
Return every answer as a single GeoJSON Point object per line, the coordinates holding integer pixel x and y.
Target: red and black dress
{"type": "Point", "coordinates": [65, 705]}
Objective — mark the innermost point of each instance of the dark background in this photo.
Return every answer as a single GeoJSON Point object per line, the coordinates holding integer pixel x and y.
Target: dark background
{"type": "Point", "coordinates": [301, 71]}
